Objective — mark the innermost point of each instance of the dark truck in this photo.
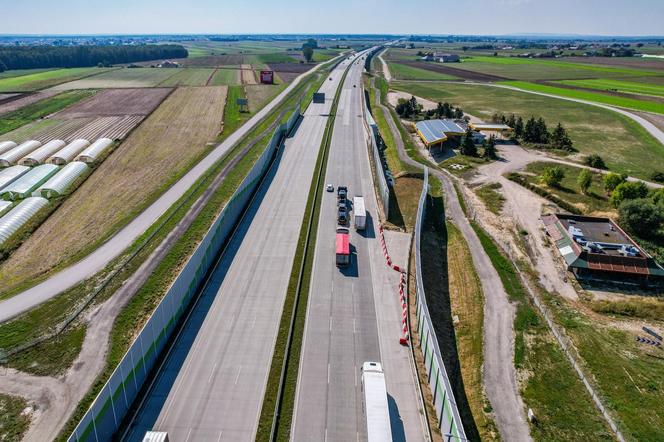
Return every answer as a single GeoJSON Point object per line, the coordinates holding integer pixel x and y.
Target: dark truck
{"type": "Point", "coordinates": [342, 193]}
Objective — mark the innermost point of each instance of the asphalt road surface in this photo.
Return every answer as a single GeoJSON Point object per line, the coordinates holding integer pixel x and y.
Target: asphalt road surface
{"type": "Point", "coordinates": [212, 384]}
{"type": "Point", "coordinates": [98, 259]}
{"type": "Point", "coordinates": [347, 307]}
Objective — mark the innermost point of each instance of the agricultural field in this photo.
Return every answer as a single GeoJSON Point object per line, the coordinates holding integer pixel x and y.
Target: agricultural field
{"type": "Point", "coordinates": [247, 74]}
{"type": "Point", "coordinates": [612, 100]}
{"type": "Point", "coordinates": [123, 78]}
{"type": "Point", "coordinates": [625, 146]}
{"type": "Point", "coordinates": [628, 87]}
{"type": "Point", "coordinates": [154, 156]}
{"type": "Point", "coordinates": [288, 71]}
{"type": "Point", "coordinates": [189, 77]}
{"type": "Point", "coordinates": [261, 94]}
{"type": "Point", "coordinates": [44, 79]}
{"type": "Point", "coordinates": [647, 64]}
{"type": "Point", "coordinates": [12, 102]}
{"type": "Point", "coordinates": [20, 72]}
{"type": "Point", "coordinates": [408, 72]}
{"type": "Point", "coordinates": [109, 113]}
{"type": "Point", "coordinates": [225, 76]}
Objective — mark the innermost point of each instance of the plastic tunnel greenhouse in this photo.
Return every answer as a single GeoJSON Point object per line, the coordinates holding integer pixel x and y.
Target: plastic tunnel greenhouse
{"type": "Point", "coordinates": [26, 184]}
{"type": "Point", "coordinates": [6, 146]}
{"type": "Point", "coordinates": [62, 181]}
{"type": "Point", "coordinates": [69, 152]}
{"type": "Point", "coordinates": [40, 155]}
{"type": "Point", "coordinates": [90, 154]}
{"type": "Point", "coordinates": [11, 174]}
{"type": "Point", "coordinates": [10, 157]}
{"type": "Point", "coordinates": [5, 206]}
{"type": "Point", "coordinates": [20, 216]}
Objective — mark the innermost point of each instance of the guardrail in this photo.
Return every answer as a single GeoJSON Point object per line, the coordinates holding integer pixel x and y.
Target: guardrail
{"type": "Point", "coordinates": [106, 413]}
{"type": "Point", "coordinates": [439, 383]}
{"type": "Point", "coordinates": [383, 188]}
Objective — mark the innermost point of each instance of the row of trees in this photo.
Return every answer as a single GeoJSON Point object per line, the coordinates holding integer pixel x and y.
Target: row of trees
{"type": "Point", "coordinates": [469, 148]}
{"type": "Point", "coordinates": [410, 108]}
{"type": "Point", "coordinates": [535, 131]}
{"type": "Point", "coordinates": [32, 57]}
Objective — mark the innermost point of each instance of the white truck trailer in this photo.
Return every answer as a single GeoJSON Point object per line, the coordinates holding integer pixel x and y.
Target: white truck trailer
{"type": "Point", "coordinates": [376, 410]}
{"type": "Point", "coordinates": [360, 213]}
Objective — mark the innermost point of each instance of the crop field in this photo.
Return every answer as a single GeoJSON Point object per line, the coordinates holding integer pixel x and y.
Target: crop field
{"type": "Point", "coordinates": [20, 72]}
{"type": "Point", "coordinates": [209, 60]}
{"type": "Point", "coordinates": [629, 87]}
{"type": "Point", "coordinates": [44, 79]}
{"type": "Point", "coordinates": [117, 102]}
{"type": "Point", "coordinates": [188, 77]}
{"type": "Point", "coordinates": [405, 72]}
{"type": "Point", "coordinates": [247, 74]}
{"type": "Point", "coordinates": [647, 64]}
{"type": "Point", "coordinates": [21, 100]}
{"type": "Point", "coordinates": [288, 71]}
{"type": "Point", "coordinates": [154, 156]}
{"type": "Point", "coordinates": [260, 94]}
{"type": "Point", "coordinates": [630, 103]}
{"type": "Point", "coordinates": [225, 76]}
{"type": "Point", "coordinates": [123, 78]}
{"type": "Point", "coordinates": [624, 145]}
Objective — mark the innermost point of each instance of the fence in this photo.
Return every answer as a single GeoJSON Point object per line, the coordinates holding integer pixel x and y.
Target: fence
{"type": "Point", "coordinates": [439, 383]}
{"type": "Point", "coordinates": [105, 415]}
{"type": "Point", "coordinates": [383, 189]}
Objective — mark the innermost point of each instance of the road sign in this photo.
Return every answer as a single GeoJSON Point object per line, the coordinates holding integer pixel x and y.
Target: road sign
{"type": "Point", "coordinates": [242, 102]}
{"type": "Point", "coordinates": [319, 97]}
{"type": "Point", "coordinates": [267, 77]}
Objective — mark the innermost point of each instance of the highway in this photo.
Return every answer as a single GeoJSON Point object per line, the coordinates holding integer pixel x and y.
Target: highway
{"type": "Point", "coordinates": [100, 257]}
{"type": "Point", "coordinates": [353, 313]}
{"type": "Point", "coordinates": [212, 383]}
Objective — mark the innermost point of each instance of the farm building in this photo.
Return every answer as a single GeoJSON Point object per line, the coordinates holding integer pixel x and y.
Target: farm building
{"type": "Point", "coordinates": [27, 183]}
{"type": "Point", "coordinates": [91, 153]}
{"type": "Point", "coordinates": [10, 157]}
{"type": "Point", "coordinates": [5, 206]}
{"type": "Point", "coordinates": [599, 248]}
{"type": "Point", "coordinates": [42, 154]}
{"type": "Point", "coordinates": [448, 58]}
{"type": "Point", "coordinates": [20, 215]}
{"type": "Point", "coordinates": [69, 152]}
{"type": "Point", "coordinates": [434, 132]}
{"type": "Point", "coordinates": [499, 129]}
{"type": "Point", "coordinates": [6, 146]}
{"type": "Point", "coordinates": [10, 174]}
{"type": "Point", "coordinates": [62, 182]}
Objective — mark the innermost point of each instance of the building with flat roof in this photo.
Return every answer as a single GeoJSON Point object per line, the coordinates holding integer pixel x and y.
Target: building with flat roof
{"type": "Point", "coordinates": [434, 132]}
{"type": "Point", "coordinates": [598, 247]}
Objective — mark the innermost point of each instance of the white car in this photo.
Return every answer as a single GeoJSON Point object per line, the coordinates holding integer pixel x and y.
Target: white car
{"type": "Point", "coordinates": [329, 188]}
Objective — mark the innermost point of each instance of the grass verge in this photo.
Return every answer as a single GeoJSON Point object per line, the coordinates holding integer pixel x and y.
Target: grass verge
{"type": "Point", "coordinates": [13, 423]}
{"type": "Point", "coordinates": [491, 197]}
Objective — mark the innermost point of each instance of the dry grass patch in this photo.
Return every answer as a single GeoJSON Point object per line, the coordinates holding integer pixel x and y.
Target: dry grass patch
{"type": "Point", "coordinates": [261, 94]}
{"type": "Point", "coordinates": [154, 156]}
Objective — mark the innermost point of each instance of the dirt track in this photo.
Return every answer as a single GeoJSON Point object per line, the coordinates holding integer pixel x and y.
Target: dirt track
{"type": "Point", "coordinates": [449, 70]}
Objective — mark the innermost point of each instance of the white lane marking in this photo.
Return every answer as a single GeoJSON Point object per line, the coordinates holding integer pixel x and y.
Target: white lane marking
{"type": "Point", "coordinates": [355, 376]}
{"type": "Point", "coordinates": [188, 435]}
{"type": "Point", "coordinates": [237, 376]}
{"type": "Point", "coordinates": [219, 438]}
{"type": "Point", "coordinates": [253, 322]}
{"type": "Point", "coordinates": [325, 434]}
{"type": "Point", "coordinates": [330, 323]}
{"type": "Point", "coordinates": [328, 372]}
{"type": "Point", "coordinates": [354, 332]}
{"type": "Point", "coordinates": [212, 372]}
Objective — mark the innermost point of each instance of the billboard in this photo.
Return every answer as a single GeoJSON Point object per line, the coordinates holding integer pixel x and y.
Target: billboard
{"type": "Point", "coordinates": [267, 77]}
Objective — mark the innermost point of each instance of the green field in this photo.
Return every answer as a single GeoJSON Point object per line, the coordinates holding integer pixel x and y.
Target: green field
{"type": "Point", "coordinates": [44, 79]}
{"type": "Point", "coordinates": [403, 72]}
{"type": "Point", "coordinates": [225, 77]}
{"type": "Point", "coordinates": [629, 87]}
{"type": "Point", "coordinates": [127, 77]}
{"type": "Point", "coordinates": [623, 143]}
{"type": "Point", "coordinates": [611, 100]}
{"type": "Point", "coordinates": [189, 77]}
{"type": "Point", "coordinates": [20, 72]}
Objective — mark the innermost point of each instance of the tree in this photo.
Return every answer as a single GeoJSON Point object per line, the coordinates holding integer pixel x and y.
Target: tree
{"type": "Point", "coordinates": [560, 139]}
{"type": "Point", "coordinates": [594, 160]}
{"type": "Point", "coordinates": [468, 145]}
{"type": "Point", "coordinates": [518, 128]}
{"type": "Point", "coordinates": [458, 113]}
{"type": "Point", "coordinates": [584, 180]}
{"type": "Point", "coordinates": [308, 53]}
{"type": "Point", "coordinates": [490, 148]}
{"type": "Point", "coordinates": [541, 131]}
{"type": "Point", "coordinates": [642, 217]}
{"type": "Point", "coordinates": [311, 42]}
{"type": "Point", "coordinates": [655, 176]}
{"type": "Point", "coordinates": [553, 176]}
{"type": "Point", "coordinates": [530, 131]}
{"type": "Point", "coordinates": [628, 190]}
{"type": "Point", "coordinates": [612, 180]}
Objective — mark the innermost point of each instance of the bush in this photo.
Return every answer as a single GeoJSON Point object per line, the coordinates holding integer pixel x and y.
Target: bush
{"type": "Point", "coordinates": [642, 216]}
{"type": "Point", "coordinates": [552, 176]}
{"type": "Point", "coordinates": [612, 180]}
{"type": "Point", "coordinates": [658, 177]}
{"type": "Point", "coordinates": [594, 160]}
{"type": "Point", "coordinates": [628, 191]}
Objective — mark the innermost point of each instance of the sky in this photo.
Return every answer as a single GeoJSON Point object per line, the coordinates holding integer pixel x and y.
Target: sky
{"type": "Point", "coordinates": [481, 17]}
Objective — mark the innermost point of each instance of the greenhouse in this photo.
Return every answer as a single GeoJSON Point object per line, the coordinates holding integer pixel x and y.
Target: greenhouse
{"type": "Point", "coordinates": [10, 157]}
{"type": "Point", "coordinates": [91, 154]}
{"type": "Point", "coordinates": [26, 184]}
{"type": "Point", "coordinates": [69, 152]}
{"type": "Point", "coordinates": [62, 181]}
{"type": "Point", "coordinates": [6, 146]}
{"type": "Point", "coordinates": [40, 155]}
{"type": "Point", "coordinates": [20, 216]}
{"type": "Point", "coordinates": [5, 206]}
{"type": "Point", "coordinates": [11, 174]}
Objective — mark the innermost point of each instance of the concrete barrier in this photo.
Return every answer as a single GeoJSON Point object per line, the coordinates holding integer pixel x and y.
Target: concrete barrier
{"type": "Point", "coordinates": [439, 383]}
{"type": "Point", "coordinates": [103, 418]}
